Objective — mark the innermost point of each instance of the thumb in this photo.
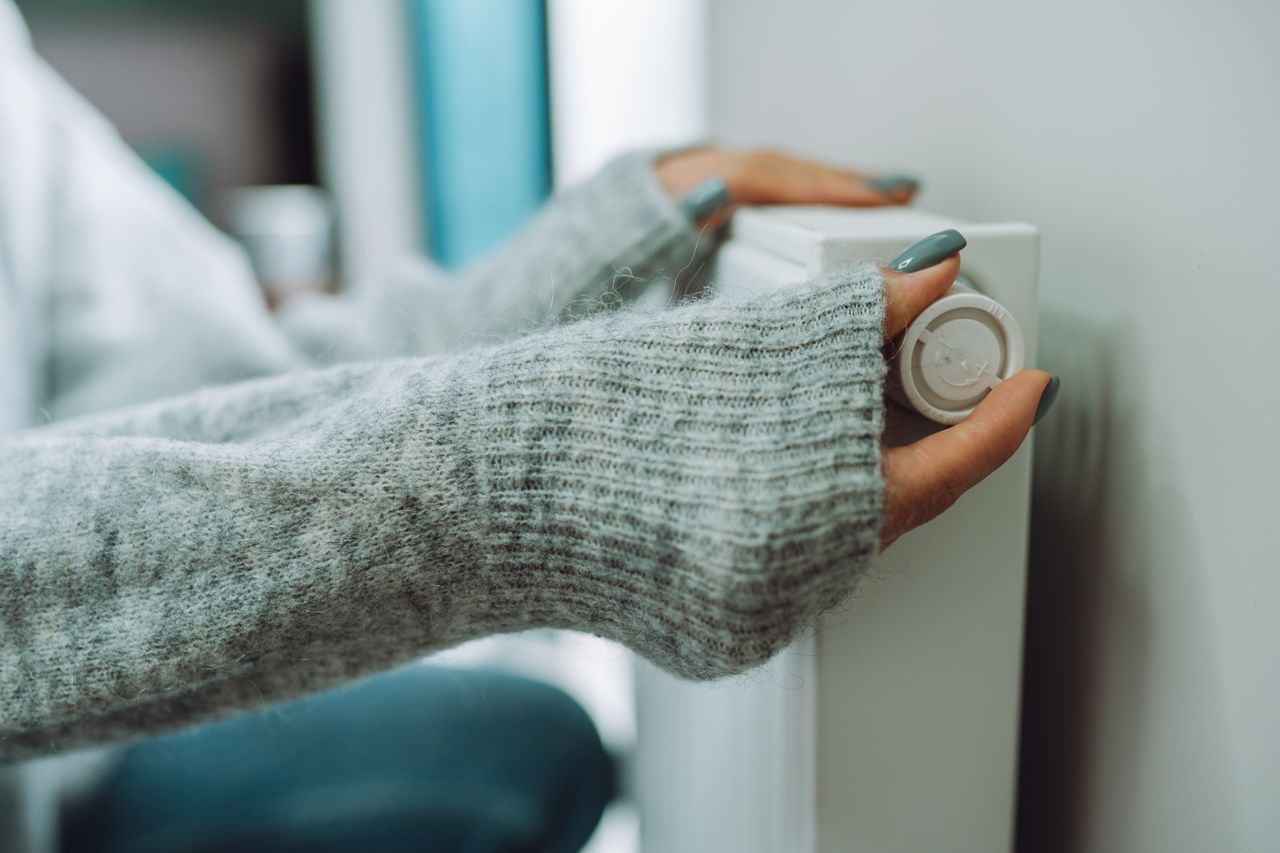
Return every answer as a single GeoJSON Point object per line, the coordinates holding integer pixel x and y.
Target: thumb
{"type": "Point", "coordinates": [926, 477]}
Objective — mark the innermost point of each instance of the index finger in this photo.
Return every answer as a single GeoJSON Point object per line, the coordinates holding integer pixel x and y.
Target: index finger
{"type": "Point", "coordinates": [907, 294]}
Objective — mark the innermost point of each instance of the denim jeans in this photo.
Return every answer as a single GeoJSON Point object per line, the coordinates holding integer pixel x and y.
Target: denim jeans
{"type": "Point", "coordinates": [420, 759]}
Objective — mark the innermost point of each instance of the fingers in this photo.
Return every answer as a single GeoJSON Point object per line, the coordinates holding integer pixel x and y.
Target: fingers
{"type": "Point", "coordinates": [907, 294]}
{"type": "Point", "coordinates": [924, 478]}
{"type": "Point", "coordinates": [814, 183]}
{"type": "Point", "coordinates": [769, 177]}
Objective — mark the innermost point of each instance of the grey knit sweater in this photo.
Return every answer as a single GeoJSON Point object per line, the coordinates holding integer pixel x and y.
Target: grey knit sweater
{"type": "Point", "coordinates": [697, 483]}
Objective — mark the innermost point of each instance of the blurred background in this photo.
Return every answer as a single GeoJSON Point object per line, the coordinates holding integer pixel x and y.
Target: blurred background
{"type": "Point", "coordinates": [433, 126]}
{"type": "Point", "coordinates": [335, 136]}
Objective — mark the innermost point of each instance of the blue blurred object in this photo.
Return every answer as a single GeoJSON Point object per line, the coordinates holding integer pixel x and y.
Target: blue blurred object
{"type": "Point", "coordinates": [420, 759]}
{"type": "Point", "coordinates": [483, 108]}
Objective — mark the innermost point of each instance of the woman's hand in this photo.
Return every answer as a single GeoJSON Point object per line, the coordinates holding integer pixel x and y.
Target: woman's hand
{"type": "Point", "coordinates": [924, 478]}
{"type": "Point", "coordinates": [770, 177]}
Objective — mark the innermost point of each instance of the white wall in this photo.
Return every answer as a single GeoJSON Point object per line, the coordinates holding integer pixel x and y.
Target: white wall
{"type": "Point", "coordinates": [1142, 138]}
{"type": "Point", "coordinates": [624, 74]}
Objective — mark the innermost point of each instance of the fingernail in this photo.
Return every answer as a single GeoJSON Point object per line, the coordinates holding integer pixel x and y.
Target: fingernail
{"type": "Point", "coordinates": [1046, 399]}
{"type": "Point", "coordinates": [890, 184]}
{"type": "Point", "coordinates": [705, 199]}
{"type": "Point", "coordinates": [931, 250]}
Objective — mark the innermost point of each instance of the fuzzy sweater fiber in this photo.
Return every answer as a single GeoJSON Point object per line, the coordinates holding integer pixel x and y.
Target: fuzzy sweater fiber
{"type": "Point", "coordinates": [230, 509]}
{"type": "Point", "coordinates": [697, 484]}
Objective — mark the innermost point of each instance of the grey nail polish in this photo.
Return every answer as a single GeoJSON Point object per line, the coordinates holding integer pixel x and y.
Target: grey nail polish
{"type": "Point", "coordinates": [1046, 399]}
{"type": "Point", "coordinates": [893, 183]}
{"type": "Point", "coordinates": [705, 199]}
{"type": "Point", "coordinates": [929, 251]}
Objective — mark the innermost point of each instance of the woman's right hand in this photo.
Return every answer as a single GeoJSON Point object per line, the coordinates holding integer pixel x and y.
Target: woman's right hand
{"type": "Point", "coordinates": [924, 478]}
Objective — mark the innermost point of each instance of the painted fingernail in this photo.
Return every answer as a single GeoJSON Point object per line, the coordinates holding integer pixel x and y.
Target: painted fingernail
{"type": "Point", "coordinates": [705, 199]}
{"type": "Point", "coordinates": [890, 184]}
{"type": "Point", "coordinates": [931, 250]}
{"type": "Point", "coordinates": [1046, 399]}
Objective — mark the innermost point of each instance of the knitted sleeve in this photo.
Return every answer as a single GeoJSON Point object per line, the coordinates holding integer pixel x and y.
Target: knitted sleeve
{"type": "Point", "coordinates": [696, 483]}
{"type": "Point", "coordinates": [596, 245]}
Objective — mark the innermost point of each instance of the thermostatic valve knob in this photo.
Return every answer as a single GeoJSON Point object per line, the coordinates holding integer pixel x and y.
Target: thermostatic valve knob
{"type": "Point", "coordinates": [954, 353]}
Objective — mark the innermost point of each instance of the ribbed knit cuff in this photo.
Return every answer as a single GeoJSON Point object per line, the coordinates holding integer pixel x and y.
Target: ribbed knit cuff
{"type": "Point", "coordinates": [698, 484]}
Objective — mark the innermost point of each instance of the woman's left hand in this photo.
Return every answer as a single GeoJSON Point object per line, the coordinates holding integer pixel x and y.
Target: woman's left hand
{"type": "Point", "coordinates": [771, 177]}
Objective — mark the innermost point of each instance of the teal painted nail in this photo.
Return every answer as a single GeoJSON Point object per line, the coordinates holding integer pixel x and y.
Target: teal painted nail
{"type": "Point", "coordinates": [931, 250]}
{"type": "Point", "coordinates": [705, 199]}
{"type": "Point", "coordinates": [892, 183]}
{"type": "Point", "coordinates": [1046, 399]}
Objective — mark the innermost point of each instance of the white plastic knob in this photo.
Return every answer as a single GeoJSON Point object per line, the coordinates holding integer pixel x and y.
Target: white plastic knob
{"type": "Point", "coordinates": [954, 353]}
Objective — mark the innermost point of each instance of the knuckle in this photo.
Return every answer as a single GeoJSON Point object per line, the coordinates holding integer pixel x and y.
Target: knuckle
{"type": "Point", "coordinates": [946, 491]}
{"type": "Point", "coordinates": [938, 493]}
{"type": "Point", "coordinates": [995, 444]}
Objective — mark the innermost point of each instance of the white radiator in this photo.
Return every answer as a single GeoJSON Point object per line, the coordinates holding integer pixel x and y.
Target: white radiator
{"type": "Point", "coordinates": [894, 727]}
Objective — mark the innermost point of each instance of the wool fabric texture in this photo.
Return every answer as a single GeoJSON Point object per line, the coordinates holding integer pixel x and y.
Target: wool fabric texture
{"type": "Point", "coordinates": [697, 484]}
{"type": "Point", "coordinates": [367, 479]}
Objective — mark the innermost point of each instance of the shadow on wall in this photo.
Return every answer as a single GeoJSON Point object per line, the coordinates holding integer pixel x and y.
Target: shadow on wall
{"type": "Point", "coordinates": [1102, 497]}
